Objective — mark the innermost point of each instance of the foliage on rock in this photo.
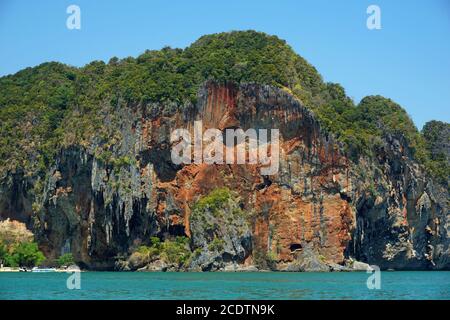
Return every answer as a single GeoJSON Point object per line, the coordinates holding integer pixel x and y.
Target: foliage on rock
{"type": "Point", "coordinates": [17, 247]}
{"type": "Point", "coordinates": [51, 105]}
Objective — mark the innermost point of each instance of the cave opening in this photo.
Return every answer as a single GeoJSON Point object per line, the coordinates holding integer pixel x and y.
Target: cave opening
{"type": "Point", "coordinates": [295, 246]}
{"type": "Point", "coordinates": [172, 231]}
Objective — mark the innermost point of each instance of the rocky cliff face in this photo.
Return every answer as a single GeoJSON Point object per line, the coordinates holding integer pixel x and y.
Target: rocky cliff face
{"type": "Point", "coordinates": [319, 207]}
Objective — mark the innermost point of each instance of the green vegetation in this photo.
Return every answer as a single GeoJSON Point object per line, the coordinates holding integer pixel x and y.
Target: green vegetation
{"type": "Point", "coordinates": [33, 103]}
{"type": "Point", "coordinates": [362, 127]}
{"type": "Point", "coordinates": [17, 247]}
{"type": "Point", "coordinates": [437, 142]}
{"type": "Point", "coordinates": [26, 254]}
{"type": "Point", "coordinates": [170, 251]}
{"type": "Point", "coordinates": [217, 208]}
{"type": "Point", "coordinates": [214, 201]}
{"type": "Point", "coordinates": [65, 260]}
{"type": "Point", "coordinates": [216, 245]}
{"type": "Point", "coordinates": [264, 260]}
{"type": "Point", "coordinates": [53, 105]}
{"type": "Point", "coordinates": [175, 252]}
{"type": "Point", "coordinates": [217, 220]}
{"type": "Point", "coordinates": [3, 253]}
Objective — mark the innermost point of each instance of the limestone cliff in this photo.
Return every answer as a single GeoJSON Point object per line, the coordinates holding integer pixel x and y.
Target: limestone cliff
{"type": "Point", "coordinates": [385, 210]}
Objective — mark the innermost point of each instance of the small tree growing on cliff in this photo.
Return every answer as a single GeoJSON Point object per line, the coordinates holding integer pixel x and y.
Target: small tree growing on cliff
{"type": "Point", "coordinates": [176, 252]}
{"type": "Point", "coordinates": [65, 260]}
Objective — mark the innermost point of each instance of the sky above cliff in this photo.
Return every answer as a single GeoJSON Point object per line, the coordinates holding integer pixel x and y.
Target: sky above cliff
{"type": "Point", "coordinates": [407, 60]}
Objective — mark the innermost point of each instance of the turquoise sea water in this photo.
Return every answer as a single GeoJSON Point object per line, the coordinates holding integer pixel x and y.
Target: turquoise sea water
{"type": "Point", "coordinates": [263, 285]}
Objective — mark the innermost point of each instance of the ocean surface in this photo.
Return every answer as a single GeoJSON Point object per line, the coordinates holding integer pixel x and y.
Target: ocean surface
{"type": "Point", "coordinates": [263, 285]}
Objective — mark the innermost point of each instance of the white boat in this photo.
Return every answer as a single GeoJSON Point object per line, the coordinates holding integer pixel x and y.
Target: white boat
{"type": "Point", "coordinates": [36, 269]}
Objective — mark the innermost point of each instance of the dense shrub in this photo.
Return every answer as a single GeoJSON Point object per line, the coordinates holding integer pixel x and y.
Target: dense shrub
{"type": "Point", "coordinates": [17, 247]}
{"type": "Point", "coordinates": [65, 260]}
{"type": "Point", "coordinates": [171, 251]}
{"type": "Point", "coordinates": [214, 201]}
{"type": "Point", "coordinates": [26, 254]}
{"type": "Point", "coordinates": [437, 143]}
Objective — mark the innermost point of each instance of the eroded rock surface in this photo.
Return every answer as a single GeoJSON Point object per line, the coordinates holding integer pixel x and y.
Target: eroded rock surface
{"type": "Point", "coordinates": [317, 211]}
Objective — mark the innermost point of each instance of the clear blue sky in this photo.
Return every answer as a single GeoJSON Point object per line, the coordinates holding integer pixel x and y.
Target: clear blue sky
{"type": "Point", "coordinates": [407, 60]}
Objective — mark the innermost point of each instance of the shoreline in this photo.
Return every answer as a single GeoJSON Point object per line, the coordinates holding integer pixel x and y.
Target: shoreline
{"type": "Point", "coordinates": [39, 270]}
{"type": "Point", "coordinates": [17, 270]}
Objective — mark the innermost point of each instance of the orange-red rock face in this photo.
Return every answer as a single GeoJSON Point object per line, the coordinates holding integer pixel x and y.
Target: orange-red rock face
{"type": "Point", "coordinates": [301, 203]}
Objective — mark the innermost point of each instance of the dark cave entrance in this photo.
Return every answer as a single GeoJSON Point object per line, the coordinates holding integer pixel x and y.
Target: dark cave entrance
{"type": "Point", "coordinates": [295, 246]}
